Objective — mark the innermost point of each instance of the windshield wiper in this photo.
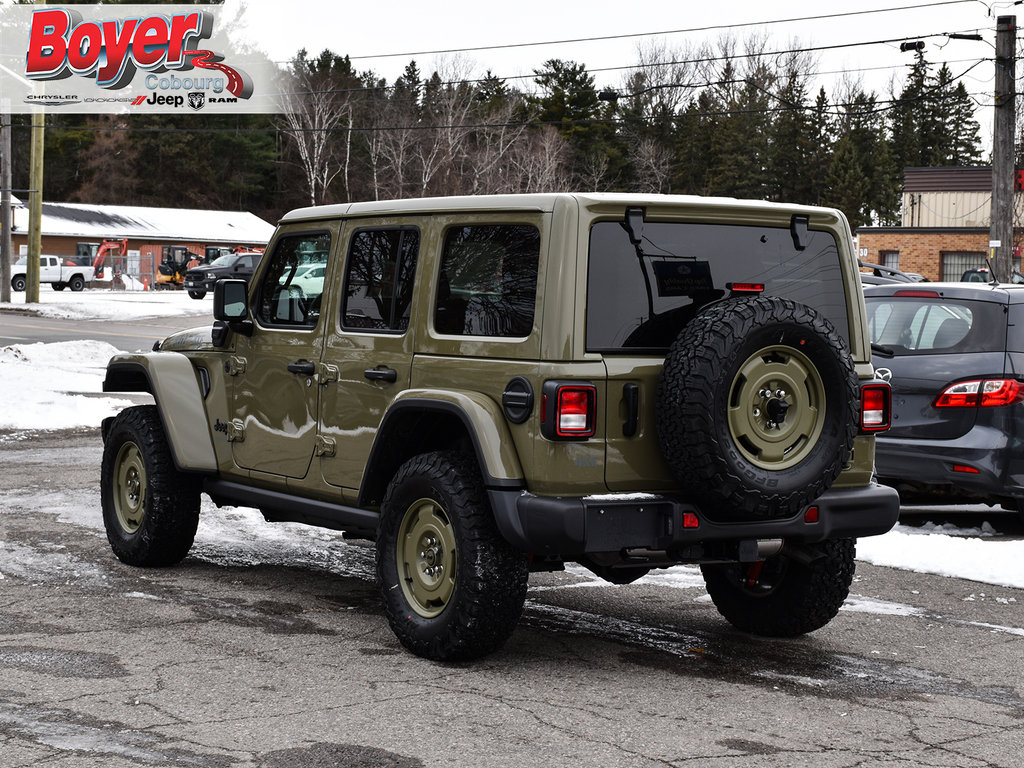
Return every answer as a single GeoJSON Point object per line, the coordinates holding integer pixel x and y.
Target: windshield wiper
{"type": "Point", "coordinates": [884, 351]}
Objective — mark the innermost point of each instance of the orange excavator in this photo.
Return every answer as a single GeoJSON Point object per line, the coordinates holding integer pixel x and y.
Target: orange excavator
{"type": "Point", "coordinates": [103, 251]}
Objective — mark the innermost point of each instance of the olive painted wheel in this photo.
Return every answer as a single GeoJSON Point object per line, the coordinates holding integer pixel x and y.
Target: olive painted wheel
{"type": "Point", "coordinates": [18, 283]}
{"type": "Point", "coordinates": [453, 588]}
{"type": "Point", "coordinates": [427, 557]}
{"type": "Point", "coordinates": [784, 596]}
{"type": "Point", "coordinates": [758, 404]}
{"type": "Point", "coordinates": [772, 384]}
{"type": "Point", "coordinates": [150, 509]}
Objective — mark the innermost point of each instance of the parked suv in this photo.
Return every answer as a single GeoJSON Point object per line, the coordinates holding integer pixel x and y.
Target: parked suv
{"type": "Point", "coordinates": [200, 280]}
{"type": "Point", "coordinates": [491, 385]}
{"type": "Point", "coordinates": [954, 355]}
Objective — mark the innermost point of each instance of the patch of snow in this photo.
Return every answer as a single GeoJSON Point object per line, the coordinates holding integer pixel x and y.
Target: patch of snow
{"type": "Point", "coordinates": [861, 604]}
{"type": "Point", "coordinates": [99, 304]}
{"type": "Point", "coordinates": [50, 386]}
{"type": "Point", "coordinates": [938, 552]}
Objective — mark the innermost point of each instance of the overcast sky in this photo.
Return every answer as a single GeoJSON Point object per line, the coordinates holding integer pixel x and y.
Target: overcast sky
{"type": "Point", "coordinates": [368, 31]}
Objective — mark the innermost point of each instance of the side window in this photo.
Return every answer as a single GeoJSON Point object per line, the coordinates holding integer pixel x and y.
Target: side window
{"type": "Point", "coordinates": [379, 279]}
{"type": "Point", "coordinates": [285, 300]}
{"type": "Point", "coordinates": [488, 281]}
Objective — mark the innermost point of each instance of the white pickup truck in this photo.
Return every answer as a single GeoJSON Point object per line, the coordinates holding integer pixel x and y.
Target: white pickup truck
{"type": "Point", "coordinates": [53, 270]}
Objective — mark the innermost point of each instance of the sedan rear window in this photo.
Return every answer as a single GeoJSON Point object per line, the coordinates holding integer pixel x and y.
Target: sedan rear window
{"type": "Point", "coordinates": [916, 326]}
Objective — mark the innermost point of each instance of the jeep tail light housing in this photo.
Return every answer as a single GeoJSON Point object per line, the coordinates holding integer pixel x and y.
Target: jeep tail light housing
{"type": "Point", "coordinates": [569, 410]}
{"type": "Point", "coordinates": [875, 406]}
{"type": "Point", "coordinates": [983, 393]}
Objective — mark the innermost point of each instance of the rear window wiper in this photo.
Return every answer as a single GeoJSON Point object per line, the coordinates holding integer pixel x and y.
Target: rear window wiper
{"type": "Point", "coordinates": [884, 351]}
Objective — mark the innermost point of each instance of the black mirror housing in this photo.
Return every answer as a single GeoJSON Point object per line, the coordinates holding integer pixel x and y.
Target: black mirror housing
{"type": "Point", "coordinates": [230, 310]}
{"type": "Point", "coordinates": [230, 300]}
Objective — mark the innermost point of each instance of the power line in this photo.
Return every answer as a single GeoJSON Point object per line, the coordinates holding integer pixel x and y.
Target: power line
{"type": "Point", "coordinates": [710, 28]}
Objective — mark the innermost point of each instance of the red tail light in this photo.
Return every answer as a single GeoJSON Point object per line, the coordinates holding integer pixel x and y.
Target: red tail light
{"type": "Point", "coordinates": [570, 410]}
{"type": "Point", "coordinates": [745, 287]}
{"type": "Point", "coordinates": [875, 407]}
{"type": "Point", "coordinates": [985, 393]}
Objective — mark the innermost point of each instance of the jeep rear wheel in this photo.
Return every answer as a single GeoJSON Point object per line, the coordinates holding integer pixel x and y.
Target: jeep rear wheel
{"type": "Point", "coordinates": [150, 510]}
{"type": "Point", "coordinates": [757, 407]}
{"type": "Point", "coordinates": [453, 589]}
{"type": "Point", "coordinates": [784, 596]}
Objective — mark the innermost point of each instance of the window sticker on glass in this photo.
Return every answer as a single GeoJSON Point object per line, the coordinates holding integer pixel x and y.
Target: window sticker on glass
{"type": "Point", "coordinates": [682, 278]}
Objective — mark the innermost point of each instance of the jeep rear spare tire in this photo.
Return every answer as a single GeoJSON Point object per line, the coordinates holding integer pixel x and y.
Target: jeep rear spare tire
{"type": "Point", "coordinates": [757, 407]}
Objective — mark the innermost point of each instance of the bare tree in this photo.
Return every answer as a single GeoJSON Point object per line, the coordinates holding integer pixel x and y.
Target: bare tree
{"type": "Point", "coordinates": [449, 113]}
{"type": "Point", "coordinates": [314, 109]}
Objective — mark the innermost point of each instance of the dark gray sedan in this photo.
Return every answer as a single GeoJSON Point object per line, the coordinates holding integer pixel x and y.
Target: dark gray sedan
{"type": "Point", "coordinates": [954, 356]}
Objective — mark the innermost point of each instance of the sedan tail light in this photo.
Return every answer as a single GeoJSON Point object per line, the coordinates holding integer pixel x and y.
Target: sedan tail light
{"type": "Point", "coordinates": [983, 393]}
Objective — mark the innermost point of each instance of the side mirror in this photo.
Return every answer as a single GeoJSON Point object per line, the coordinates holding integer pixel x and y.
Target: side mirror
{"type": "Point", "coordinates": [230, 310]}
{"type": "Point", "coordinates": [229, 300]}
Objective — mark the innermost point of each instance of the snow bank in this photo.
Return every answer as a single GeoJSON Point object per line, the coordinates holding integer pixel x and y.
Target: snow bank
{"type": "Point", "coordinates": [948, 551]}
{"type": "Point", "coordinates": [111, 305]}
{"type": "Point", "coordinates": [54, 386]}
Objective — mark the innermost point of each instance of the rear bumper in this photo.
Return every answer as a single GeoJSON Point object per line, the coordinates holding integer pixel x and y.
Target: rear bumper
{"type": "Point", "coordinates": [569, 527]}
{"type": "Point", "coordinates": [987, 463]}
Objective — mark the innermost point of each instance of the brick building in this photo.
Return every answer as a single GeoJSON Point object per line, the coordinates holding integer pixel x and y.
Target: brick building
{"type": "Point", "coordinates": [944, 228]}
{"type": "Point", "coordinates": [75, 230]}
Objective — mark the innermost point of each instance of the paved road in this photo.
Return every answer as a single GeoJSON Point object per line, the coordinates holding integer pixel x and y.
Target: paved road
{"type": "Point", "coordinates": [127, 335]}
{"type": "Point", "coordinates": [268, 648]}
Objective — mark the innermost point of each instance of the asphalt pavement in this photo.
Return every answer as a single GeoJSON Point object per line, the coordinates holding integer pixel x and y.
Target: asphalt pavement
{"type": "Point", "coordinates": [268, 648]}
{"type": "Point", "coordinates": [21, 327]}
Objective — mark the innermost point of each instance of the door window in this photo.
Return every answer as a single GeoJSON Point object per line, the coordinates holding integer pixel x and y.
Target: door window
{"type": "Point", "coordinates": [379, 279]}
{"type": "Point", "coordinates": [283, 300]}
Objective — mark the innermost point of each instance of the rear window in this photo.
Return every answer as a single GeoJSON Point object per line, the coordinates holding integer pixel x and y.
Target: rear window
{"type": "Point", "coordinates": [920, 326]}
{"type": "Point", "coordinates": [640, 302]}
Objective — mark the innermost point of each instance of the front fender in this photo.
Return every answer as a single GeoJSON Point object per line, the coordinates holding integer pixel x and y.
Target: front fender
{"type": "Point", "coordinates": [172, 380]}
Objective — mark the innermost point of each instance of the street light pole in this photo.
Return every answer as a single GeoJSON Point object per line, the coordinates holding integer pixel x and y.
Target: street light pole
{"type": "Point", "coordinates": [1001, 231]}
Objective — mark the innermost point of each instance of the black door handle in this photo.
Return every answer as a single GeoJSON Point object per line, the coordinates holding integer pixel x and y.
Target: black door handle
{"type": "Point", "coordinates": [381, 374]}
{"type": "Point", "coordinates": [306, 369]}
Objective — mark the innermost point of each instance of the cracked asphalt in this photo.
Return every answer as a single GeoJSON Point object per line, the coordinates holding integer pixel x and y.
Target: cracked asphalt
{"type": "Point", "coordinates": [275, 653]}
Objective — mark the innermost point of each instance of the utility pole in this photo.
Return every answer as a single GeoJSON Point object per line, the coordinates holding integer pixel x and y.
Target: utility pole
{"type": "Point", "coordinates": [1001, 232]}
{"type": "Point", "coordinates": [5, 207]}
{"type": "Point", "coordinates": [35, 209]}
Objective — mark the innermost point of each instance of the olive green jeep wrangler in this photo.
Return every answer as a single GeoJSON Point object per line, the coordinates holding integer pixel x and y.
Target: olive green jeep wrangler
{"type": "Point", "coordinates": [486, 386]}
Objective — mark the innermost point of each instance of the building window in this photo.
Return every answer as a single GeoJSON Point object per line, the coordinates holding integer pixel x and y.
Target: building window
{"type": "Point", "coordinates": [955, 263]}
{"type": "Point", "coordinates": [889, 259]}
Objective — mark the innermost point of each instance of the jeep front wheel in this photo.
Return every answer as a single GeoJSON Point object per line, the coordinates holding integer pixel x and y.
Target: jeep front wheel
{"type": "Point", "coordinates": [453, 588]}
{"type": "Point", "coordinates": [757, 407]}
{"type": "Point", "coordinates": [150, 509]}
{"type": "Point", "coordinates": [785, 595]}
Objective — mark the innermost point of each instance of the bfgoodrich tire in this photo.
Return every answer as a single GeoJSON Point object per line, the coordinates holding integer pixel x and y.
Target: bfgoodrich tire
{"type": "Point", "coordinates": [784, 596]}
{"type": "Point", "coordinates": [150, 510]}
{"type": "Point", "coordinates": [453, 588]}
{"type": "Point", "coordinates": [757, 405]}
